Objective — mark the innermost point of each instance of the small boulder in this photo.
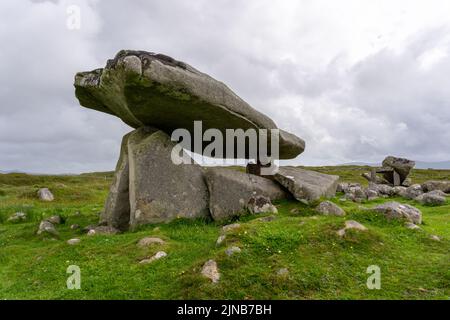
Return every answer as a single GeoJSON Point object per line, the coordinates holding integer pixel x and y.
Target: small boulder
{"type": "Point", "coordinates": [382, 189]}
{"type": "Point", "coordinates": [435, 198]}
{"type": "Point", "coordinates": [54, 219]}
{"type": "Point", "coordinates": [260, 204]}
{"type": "Point", "coordinates": [351, 224]}
{"type": "Point", "coordinates": [355, 193]}
{"type": "Point", "coordinates": [232, 250]}
{"type": "Point", "coordinates": [46, 227]}
{"type": "Point", "coordinates": [399, 191]}
{"type": "Point", "coordinates": [412, 226]}
{"type": "Point", "coordinates": [231, 227]}
{"type": "Point", "coordinates": [211, 271]}
{"type": "Point", "coordinates": [18, 217]}
{"type": "Point", "coordinates": [44, 194]}
{"type": "Point", "coordinates": [157, 256]}
{"type": "Point", "coordinates": [75, 226]}
{"type": "Point", "coordinates": [371, 194]}
{"type": "Point", "coordinates": [413, 191]}
{"type": "Point", "coordinates": [149, 241]}
{"type": "Point", "coordinates": [329, 208]}
{"type": "Point", "coordinates": [220, 240]}
{"type": "Point", "coordinates": [282, 272]}
{"type": "Point", "coordinates": [73, 241]}
{"type": "Point", "coordinates": [395, 210]}
{"type": "Point", "coordinates": [435, 238]}
{"type": "Point", "coordinates": [443, 185]}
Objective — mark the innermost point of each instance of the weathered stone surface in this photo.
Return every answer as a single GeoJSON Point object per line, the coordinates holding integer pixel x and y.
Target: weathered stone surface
{"type": "Point", "coordinates": [46, 227]}
{"type": "Point", "coordinates": [412, 226]}
{"type": "Point", "coordinates": [395, 210]}
{"type": "Point", "coordinates": [55, 219]}
{"type": "Point", "coordinates": [232, 250]}
{"type": "Point", "coordinates": [378, 179]}
{"type": "Point", "coordinates": [147, 89]}
{"type": "Point", "coordinates": [230, 227]}
{"type": "Point", "coordinates": [159, 189]}
{"type": "Point", "coordinates": [436, 197]}
{"type": "Point", "coordinates": [371, 194]}
{"type": "Point", "coordinates": [17, 217]}
{"type": "Point", "coordinates": [211, 271]}
{"type": "Point", "coordinates": [230, 191]}
{"type": "Point", "coordinates": [400, 165]}
{"type": "Point", "coordinates": [329, 208]}
{"type": "Point", "coordinates": [306, 185]}
{"type": "Point", "coordinates": [260, 204]}
{"type": "Point", "coordinates": [73, 241]}
{"type": "Point", "coordinates": [149, 241]}
{"type": "Point", "coordinates": [117, 206]}
{"type": "Point", "coordinates": [45, 194]}
{"type": "Point", "coordinates": [220, 239]}
{"type": "Point", "coordinates": [443, 185]}
{"type": "Point", "coordinates": [355, 192]}
{"type": "Point", "coordinates": [102, 230]}
{"type": "Point", "coordinates": [157, 256]}
{"type": "Point", "coordinates": [382, 189]}
{"type": "Point", "coordinates": [399, 191]}
{"type": "Point", "coordinates": [413, 191]}
{"type": "Point", "coordinates": [351, 224]}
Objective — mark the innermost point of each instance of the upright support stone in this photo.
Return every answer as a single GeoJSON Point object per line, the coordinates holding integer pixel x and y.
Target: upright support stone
{"type": "Point", "coordinates": [396, 179]}
{"type": "Point", "coordinates": [117, 206]}
{"type": "Point", "coordinates": [373, 175]}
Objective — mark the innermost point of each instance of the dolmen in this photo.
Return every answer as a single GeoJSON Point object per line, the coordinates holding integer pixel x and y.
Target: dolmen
{"type": "Point", "coordinates": [394, 171]}
{"type": "Point", "coordinates": [168, 102]}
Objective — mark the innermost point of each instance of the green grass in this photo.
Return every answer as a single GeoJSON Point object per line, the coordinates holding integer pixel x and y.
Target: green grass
{"type": "Point", "coordinates": [321, 265]}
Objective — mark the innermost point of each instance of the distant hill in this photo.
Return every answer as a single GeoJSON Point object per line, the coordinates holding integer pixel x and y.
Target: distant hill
{"type": "Point", "coordinates": [419, 164]}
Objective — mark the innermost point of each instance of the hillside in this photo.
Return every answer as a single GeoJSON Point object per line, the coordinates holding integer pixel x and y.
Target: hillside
{"type": "Point", "coordinates": [320, 264]}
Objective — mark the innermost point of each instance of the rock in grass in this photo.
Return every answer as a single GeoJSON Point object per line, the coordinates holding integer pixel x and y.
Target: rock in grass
{"type": "Point", "coordinates": [329, 208]}
{"type": "Point", "coordinates": [413, 191]}
{"type": "Point", "coordinates": [399, 191]}
{"type": "Point", "coordinates": [220, 240]}
{"type": "Point", "coordinates": [102, 230]}
{"type": "Point", "coordinates": [260, 204]}
{"type": "Point", "coordinates": [44, 194]}
{"type": "Point", "coordinates": [211, 271]}
{"type": "Point", "coordinates": [55, 219]}
{"type": "Point", "coordinates": [395, 210]}
{"type": "Point", "coordinates": [46, 227]}
{"type": "Point", "coordinates": [351, 224]}
{"type": "Point", "coordinates": [435, 238]}
{"type": "Point", "coordinates": [157, 256]}
{"type": "Point", "coordinates": [442, 185]}
{"type": "Point", "coordinates": [18, 217]}
{"type": "Point", "coordinates": [231, 227]}
{"type": "Point", "coordinates": [435, 198]}
{"type": "Point", "coordinates": [73, 241]}
{"type": "Point", "coordinates": [74, 227]}
{"type": "Point", "coordinates": [149, 241]}
{"type": "Point", "coordinates": [232, 250]}
{"type": "Point", "coordinates": [412, 226]}
{"type": "Point", "coordinates": [282, 272]}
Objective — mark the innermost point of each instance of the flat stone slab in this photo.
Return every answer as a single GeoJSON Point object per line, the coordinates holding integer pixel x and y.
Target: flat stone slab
{"type": "Point", "coordinates": [148, 89]}
{"type": "Point", "coordinates": [230, 191]}
{"type": "Point", "coordinates": [306, 185]}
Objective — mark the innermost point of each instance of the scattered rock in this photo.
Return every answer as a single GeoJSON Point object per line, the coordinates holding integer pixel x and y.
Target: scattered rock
{"type": "Point", "coordinates": [73, 241]}
{"type": "Point", "coordinates": [232, 250]}
{"type": "Point", "coordinates": [231, 227]}
{"type": "Point", "coordinates": [435, 238]}
{"type": "Point", "coordinates": [351, 224]}
{"type": "Point", "coordinates": [148, 241]}
{"type": "Point", "coordinates": [220, 240]}
{"type": "Point", "coordinates": [413, 191]}
{"type": "Point", "coordinates": [329, 208]}
{"type": "Point", "coordinates": [355, 193]}
{"type": "Point", "coordinates": [371, 194]}
{"type": "Point", "coordinates": [45, 195]}
{"type": "Point", "coordinates": [157, 256]}
{"type": "Point", "coordinates": [102, 230]}
{"type": "Point", "coordinates": [294, 211]}
{"type": "Point", "coordinates": [211, 271]}
{"type": "Point", "coordinates": [382, 189]}
{"type": "Point", "coordinates": [342, 186]}
{"type": "Point", "coordinates": [46, 227]}
{"type": "Point", "coordinates": [54, 219]}
{"type": "Point", "coordinates": [306, 185]}
{"type": "Point", "coordinates": [443, 185]}
{"type": "Point", "coordinates": [407, 182]}
{"type": "Point", "coordinates": [435, 197]}
{"type": "Point", "coordinates": [260, 204]}
{"type": "Point", "coordinates": [18, 217]}
{"type": "Point", "coordinates": [230, 191]}
{"type": "Point", "coordinates": [75, 226]}
{"type": "Point", "coordinates": [378, 179]}
{"type": "Point", "coordinates": [399, 191]}
{"type": "Point", "coordinates": [395, 210]}
{"type": "Point", "coordinates": [282, 272]}
{"type": "Point", "coordinates": [412, 226]}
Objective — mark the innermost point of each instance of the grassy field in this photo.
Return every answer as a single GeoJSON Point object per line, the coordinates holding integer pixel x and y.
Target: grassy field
{"type": "Point", "coordinates": [321, 264]}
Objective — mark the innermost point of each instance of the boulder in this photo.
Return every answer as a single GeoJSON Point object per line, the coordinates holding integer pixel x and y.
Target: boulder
{"type": "Point", "coordinates": [159, 189]}
{"type": "Point", "coordinates": [232, 250]}
{"type": "Point", "coordinates": [148, 89]}
{"type": "Point", "coordinates": [55, 219]}
{"type": "Point", "coordinates": [73, 241]}
{"type": "Point", "coordinates": [329, 208]}
{"type": "Point", "coordinates": [306, 185]}
{"type": "Point", "coordinates": [413, 191]}
{"type": "Point", "coordinates": [436, 197]}
{"type": "Point", "coordinates": [45, 194]}
{"type": "Point", "coordinates": [351, 224]}
{"type": "Point", "coordinates": [371, 194]}
{"type": "Point", "coordinates": [443, 185]}
{"type": "Point", "coordinates": [17, 217]}
{"type": "Point", "coordinates": [230, 227]}
{"type": "Point", "coordinates": [260, 204]}
{"type": "Point", "coordinates": [399, 191]}
{"type": "Point", "coordinates": [400, 165]}
{"type": "Point", "coordinates": [156, 256]}
{"type": "Point", "coordinates": [395, 210]}
{"type": "Point", "coordinates": [211, 271]}
{"type": "Point", "coordinates": [46, 227]}
{"type": "Point", "coordinates": [382, 189]}
{"type": "Point", "coordinates": [355, 193]}
{"type": "Point", "coordinates": [231, 191]}
{"type": "Point", "coordinates": [117, 206]}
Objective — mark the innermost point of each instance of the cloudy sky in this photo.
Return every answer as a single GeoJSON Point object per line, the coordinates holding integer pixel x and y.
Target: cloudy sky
{"type": "Point", "coordinates": [357, 80]}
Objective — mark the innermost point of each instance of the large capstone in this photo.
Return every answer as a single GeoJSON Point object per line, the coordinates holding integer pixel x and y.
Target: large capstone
{"type": "Point", "coordinates": [232, 191]}
{"type": "Point", "coordinates": [147, 89]}
{"type": "Point", "coordinates": [161, 190]}
{"type": "Point", "coordinates": [307, 185]}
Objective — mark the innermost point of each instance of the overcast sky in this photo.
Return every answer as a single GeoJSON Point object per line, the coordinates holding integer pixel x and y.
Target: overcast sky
{"type": "Point", "coordinates": [357, 80]}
